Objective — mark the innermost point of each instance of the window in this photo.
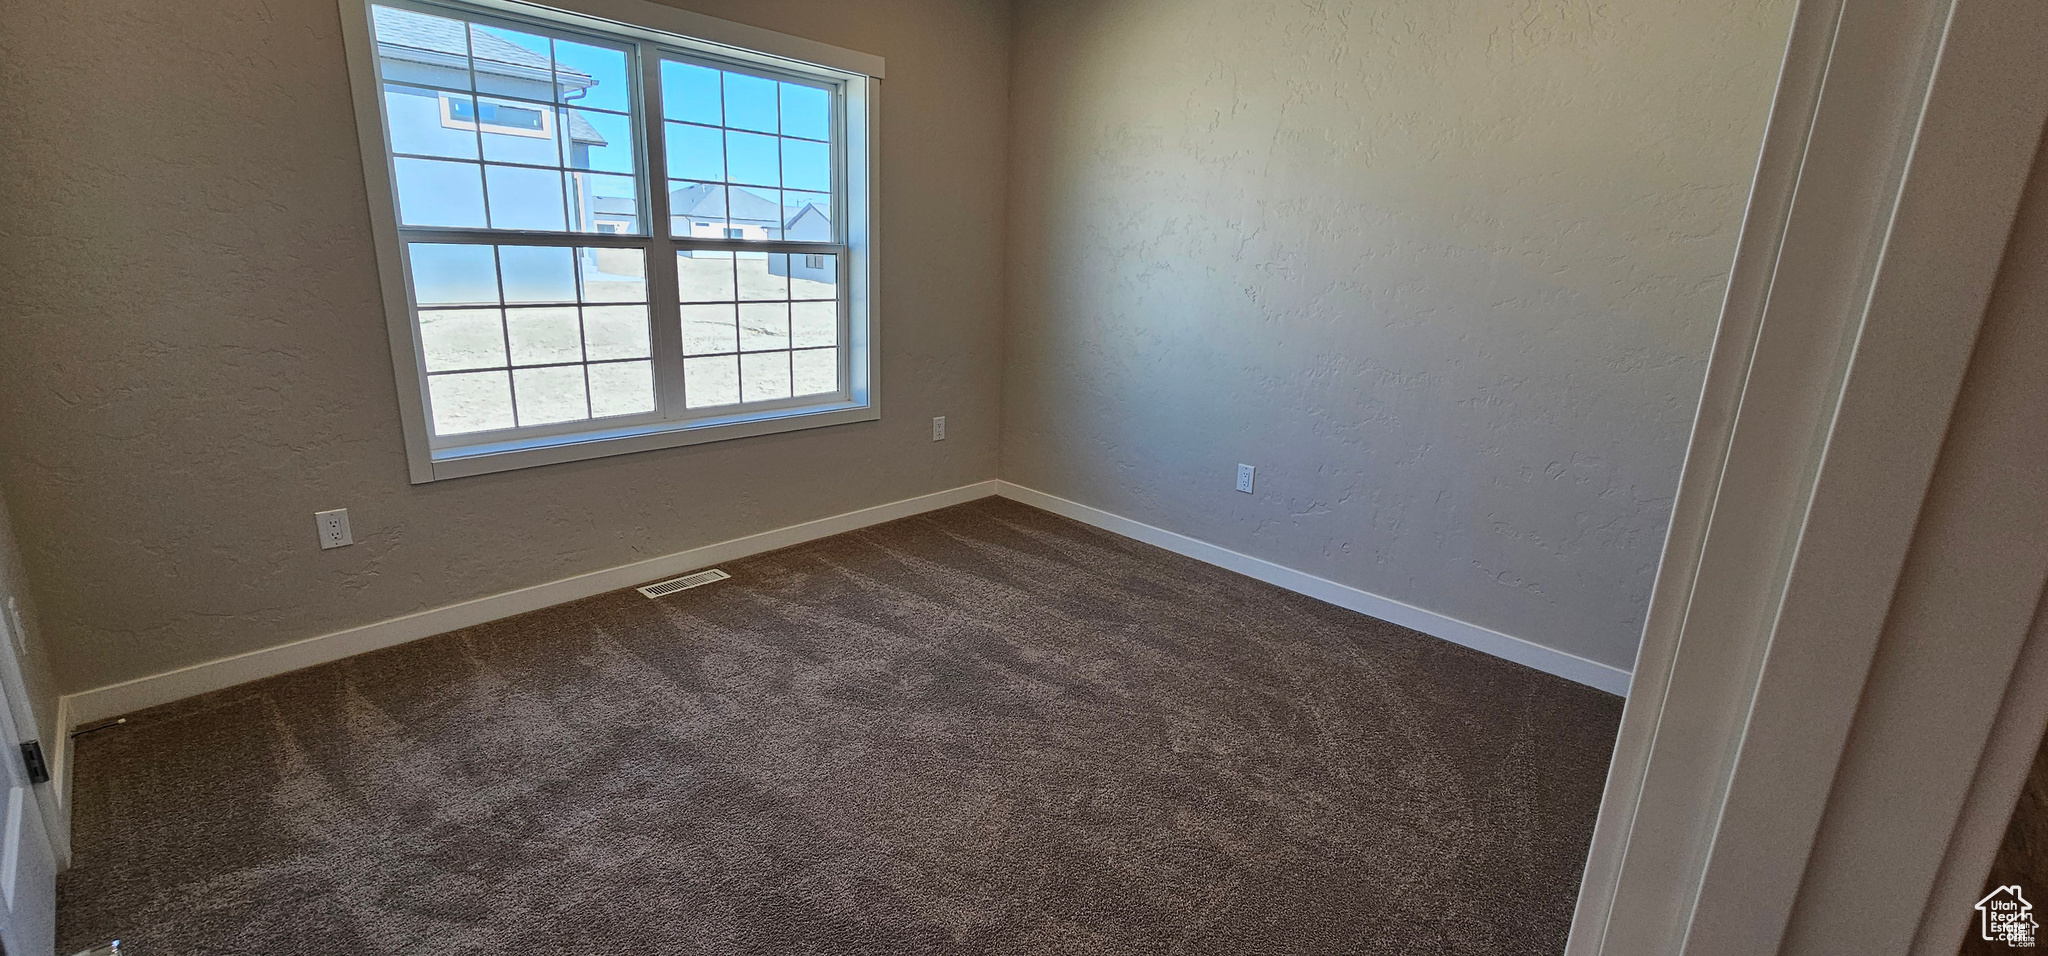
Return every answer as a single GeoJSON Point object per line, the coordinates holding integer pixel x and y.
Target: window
{"type": "Point", "coordinates": [460, 112]}
{"type": "Point", "coordinates": [603, 239]}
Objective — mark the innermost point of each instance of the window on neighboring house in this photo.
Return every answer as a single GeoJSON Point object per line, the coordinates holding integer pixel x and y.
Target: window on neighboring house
{"type": "Point", "coordinates": [539, 313]}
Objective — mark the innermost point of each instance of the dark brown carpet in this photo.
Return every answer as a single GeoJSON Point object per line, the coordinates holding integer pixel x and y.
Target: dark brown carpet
{"type": "Point", "coordinates": [982, 730]}
{"type": "Point", "coordinates": [2022, 856]}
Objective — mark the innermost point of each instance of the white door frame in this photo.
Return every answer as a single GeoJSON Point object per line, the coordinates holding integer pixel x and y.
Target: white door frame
{"type": "Point", "coordinates": [1899, 141]}
{"type": "Point", "coordinates": [28, 863]}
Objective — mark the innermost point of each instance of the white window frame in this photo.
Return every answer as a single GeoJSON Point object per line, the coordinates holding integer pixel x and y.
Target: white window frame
{"type": "Point", "coordinates": [656, 32]}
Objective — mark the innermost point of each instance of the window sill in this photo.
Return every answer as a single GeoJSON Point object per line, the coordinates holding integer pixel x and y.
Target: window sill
{"type": "Point", "coordinates": [461, 462]}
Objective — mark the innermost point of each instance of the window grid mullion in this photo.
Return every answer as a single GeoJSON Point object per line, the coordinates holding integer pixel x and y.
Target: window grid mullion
{"type": "Point", "coordinates": [739, 365]}
{"type": "Point", "coordinates": [504, 320]}
{"type": "Point", "coordinates": [512, 98]}
{"type": "Point", "coordinates": [483, 177]}
{"type": "Point", "coordinates": [842, 267]}
{"type": "Point", "coordinates": [513, 237]}
{"type": "Point", "coordinates": [760, 245]}
{"type": "Point", "coordinates": [664, 305]}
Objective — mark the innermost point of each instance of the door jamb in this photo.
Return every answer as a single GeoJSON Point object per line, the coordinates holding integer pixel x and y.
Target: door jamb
{"type": "Point", "coordinates": [1899, 140]}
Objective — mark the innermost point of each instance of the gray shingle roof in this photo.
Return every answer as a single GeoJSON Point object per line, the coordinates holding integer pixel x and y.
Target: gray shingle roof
{"type": "Point", "coordinates": [421, 37]}
{"type": "Point", "coordinates": [401, 30]}
{"type": "Point", "coordinates": [709, 202]}
{"type": "Point", "coordinates": [580, 131]}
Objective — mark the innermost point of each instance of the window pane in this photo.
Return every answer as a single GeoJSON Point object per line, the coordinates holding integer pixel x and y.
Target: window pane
{"type": "Point", "coordinates": [752, 159]}
{"type": "Point", "coordinates": [814, 372]}
{"type": "Point", "coordinates": [604, 203]}
{"type": "Point", "coordinates": [743, 181]}
{"type": "Point", "coordinates": [690, 93]}
{"type": "Point", "coordinates": [621, 388]}
{"type": "Point", "coordinates": [763, 276]}
{"type": "Point", "coordinates": [434, 192]}
{"type": "Point", "coordinates": [813, 277]}
{"type": "Point", "coordinates": [806, 165]}
{"type": "Point", "coordinates": [512, 62]}
{"type": "Point", "coordinates": [461, 339]}
{"type": "Point", "coordinates": [764, 325]}
{"type": "Point", "coordinates": [538, 273]}
{"type": "Point", "coordinates": [516, 132]}
{"type": "Point", "coordinates": [551, 104]}
{"type": "Point", "coordinates": [524, 198]}
{"type": "Point", "coordinates": [615, 331]}
{"type": "Point", "coordinates": [695, 152]}
{"type": "Point", "coordinates": [429, 122]}
{"type": "Point", "coordinates": [808, 216]}
{"type": "Point", "coordinates": [549, 395]}
{"type": "Point", "coordinates": [445, 274]}
{"type": "Point", "coordinates": [813, 324]}
{"type": "Point", "coordinates": [709, 329]}
{"type": "Point", "coordinates": [470, 402]}
{"type": "Point", "coordinates": [420, 48]}
{"type": "Point", "coordinates": [543, 347]}
{"type": "Point", "coordinates": [544, 336]}
{"type": "Point", "coordinates": [764, 376]}
{"type": "Point", "coordinates": [710, 382]}
{"type": "Point", "coordinates": [613, 275]}
{"type": "Point", "coordinates": [697, 209]}
{"type": "Point", "coordinates": [703, 276]}
{"type": "Point", "coordinates": [806, 111]}
{"type": "Point", "coordinates": [753, 213]}
{"type": "Point", "coordinates": [591, 76]}
{"type": "Point", "coordinates": [600, 141]}
{"type": "Point", "coordinates": [750, 103]}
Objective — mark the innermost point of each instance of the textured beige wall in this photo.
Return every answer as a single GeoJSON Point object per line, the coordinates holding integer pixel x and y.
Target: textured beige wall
{"type": "Point", "coordinates": [194, 351]}
{"type": "Point", "coordinates": [1446, 271]}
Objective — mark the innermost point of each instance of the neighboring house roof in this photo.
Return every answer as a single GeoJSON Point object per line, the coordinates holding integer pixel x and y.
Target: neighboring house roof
{"type": "Point", "coordinates": [402, 31]}
{"type": "Point", "coordinates": [813, 222]}
{"type": "Point", "coordinates": [580, 130]}
{"type": "Point", "coordinates": [438, 41]}
{"type": "Point", "coordinates": [707, 201]}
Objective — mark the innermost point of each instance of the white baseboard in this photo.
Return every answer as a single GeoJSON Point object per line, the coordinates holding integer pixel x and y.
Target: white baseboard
{"type": "Point", "coordinates": [1549, 660]}
{"type": "Point", "coordinates": [113, 700]}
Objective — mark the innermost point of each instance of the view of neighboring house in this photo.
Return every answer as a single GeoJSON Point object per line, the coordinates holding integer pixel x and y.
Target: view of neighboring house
{"type": "Point", "coordinates": [812, 223]}
{"type": "Point", "coordinates": [717, 211]}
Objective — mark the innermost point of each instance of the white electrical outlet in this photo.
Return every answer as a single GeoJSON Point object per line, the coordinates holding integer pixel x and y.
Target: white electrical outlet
{"type": "Point", "coordinates": [1244, 478]}
{"type": "Point", "coordinates": [939, 428]}
{"type": "Point", "coordinates": [333, 526]}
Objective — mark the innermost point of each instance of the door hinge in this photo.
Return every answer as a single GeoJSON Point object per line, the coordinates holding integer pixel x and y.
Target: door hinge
{"type": "Point", "coordinates": [32, 755]}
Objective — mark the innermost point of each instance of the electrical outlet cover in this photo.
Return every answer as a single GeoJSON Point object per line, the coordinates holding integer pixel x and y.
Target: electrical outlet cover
{"type": "Point", "coordinates": [333, 527]}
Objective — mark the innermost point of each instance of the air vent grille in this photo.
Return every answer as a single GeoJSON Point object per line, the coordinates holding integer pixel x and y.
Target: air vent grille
{"type": "Point", "coordinates": [684, 583]}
